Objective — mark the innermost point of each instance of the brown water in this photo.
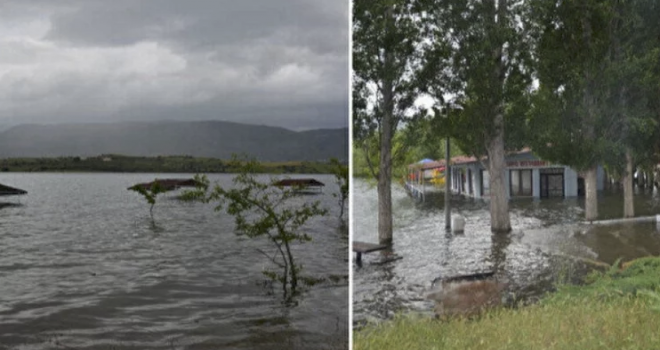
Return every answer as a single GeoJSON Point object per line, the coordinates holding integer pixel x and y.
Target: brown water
{"type": "Point", "coordinates": [547, 243]}
{"type": "Point", "coordinates": [81, 268]}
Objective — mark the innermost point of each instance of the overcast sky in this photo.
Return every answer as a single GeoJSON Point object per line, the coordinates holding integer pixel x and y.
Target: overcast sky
{"type": "Point", "coordinates": [274, 62]}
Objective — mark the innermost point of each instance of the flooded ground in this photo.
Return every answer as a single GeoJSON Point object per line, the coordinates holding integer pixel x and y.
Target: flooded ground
{"type": "Point", "coordinates": [547, 243]}
{"type": "Point", "coordinates": [81, 268]}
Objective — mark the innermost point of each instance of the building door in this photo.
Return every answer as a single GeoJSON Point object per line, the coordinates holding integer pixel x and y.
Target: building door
{"type": "Point", "coordinates": [552, 183]}
{"type": "Point", "coordinates": [581, 188]}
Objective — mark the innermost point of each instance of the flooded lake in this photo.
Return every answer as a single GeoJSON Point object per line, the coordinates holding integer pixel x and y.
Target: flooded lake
{"type": "Point", "coordinates": [82, 268]}
{"type": "Point", "coordinates": [547, 243]}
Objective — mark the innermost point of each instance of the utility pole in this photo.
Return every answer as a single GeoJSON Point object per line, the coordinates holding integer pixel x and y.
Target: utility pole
{"type": "Point", "coordinates": [447, 187]}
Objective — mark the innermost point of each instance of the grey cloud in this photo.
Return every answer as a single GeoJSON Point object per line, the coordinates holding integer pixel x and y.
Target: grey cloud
{"type": "Point", "coordinates": [258, 61]}
{"type": "Point", "coordinates": [204, 24]}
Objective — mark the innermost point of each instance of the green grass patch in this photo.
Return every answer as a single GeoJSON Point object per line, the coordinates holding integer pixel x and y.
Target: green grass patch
{"type": "Point", "coordinates": [617, 310]}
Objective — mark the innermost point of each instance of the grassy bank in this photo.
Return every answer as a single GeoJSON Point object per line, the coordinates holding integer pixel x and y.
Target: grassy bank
{"type": "Point", "coordinates": [616, 310]}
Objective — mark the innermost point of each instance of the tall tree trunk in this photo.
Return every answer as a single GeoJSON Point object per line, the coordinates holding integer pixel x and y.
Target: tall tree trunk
{"type": "Point", "coordinates": [588, 121]}
{"type": "Point", "coordinates": [652, 179]}
{"type": "Point", "coordinates": [385, 173]}
{"type": "Point", "coordinates": [447, 186]}
{"type": "Point", "coordinates": [627, 180]}
{"type": "Point", "coordinates": [385, 197]}
{"type": "Point", "coordinates": [293, 272]}
{"type": "Point", "coordinates": [628, 205]}
{"type": "Point", "coordinates": [591, 193]}
{"type": "Point", "coordinates": [499, 203]}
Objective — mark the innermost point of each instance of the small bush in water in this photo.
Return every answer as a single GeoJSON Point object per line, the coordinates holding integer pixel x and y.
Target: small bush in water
{"type": "Point", "coordinates": [262, 211]}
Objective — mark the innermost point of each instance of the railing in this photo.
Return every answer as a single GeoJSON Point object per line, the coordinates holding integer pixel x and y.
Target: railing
{"type": "Point", "coordinates": [416, 191]}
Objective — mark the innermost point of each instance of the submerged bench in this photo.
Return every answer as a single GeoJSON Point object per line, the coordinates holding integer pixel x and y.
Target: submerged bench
{"type": "Point", "coordinates": [479, 276]}
{"type": "Point", "coordinates": [364, 247]}
{"type": "Point", "coordinates": [11, 191]}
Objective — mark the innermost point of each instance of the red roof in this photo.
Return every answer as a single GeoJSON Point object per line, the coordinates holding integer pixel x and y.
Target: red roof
{"type": "Point", "coordinates": [456, 160]}
{"type": "Point", "coordinates": [428, 165]}
{"type": "Point", "coordinates": [463, 160]}
{"type": "Point", "coordinates": [441, 163]}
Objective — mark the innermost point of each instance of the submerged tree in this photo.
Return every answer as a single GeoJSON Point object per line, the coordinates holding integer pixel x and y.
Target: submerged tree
{"type": "Point", "coordinates": [341, 175]}
{"type": "Point", "coordinates": [597, 64]}
{"type": "Point", "coordinates": [261, 210]}
{"type": "Point", "coordinates": [150, 193]}
{"type": "Point", "coordinates": [634, 80]}
{"type": "Point", "coordinates": [479, 59]}
{"type": "Point", "coordinates": [386, 36]}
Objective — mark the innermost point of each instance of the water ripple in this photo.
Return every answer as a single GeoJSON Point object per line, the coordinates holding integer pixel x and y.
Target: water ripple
{"type": "Point", "coordinates": [546, 242]}
{"type": "Point", "coordinates": [82, 268]}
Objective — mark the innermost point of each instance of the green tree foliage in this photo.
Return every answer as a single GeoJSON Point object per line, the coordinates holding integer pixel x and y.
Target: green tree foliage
{"type": "Point", "coordinates": [597, 66]}
{"type": "Point", "coordinates": [566, 123]}
{"type": "Point", "coordinates": [340, 171]}
{"type": "Point", "coordinates": [476, 68]}
{"type": "Point", "coordinates": [478, 64]}
{"type": "Point", "coordinates": [638, 60]}
{"type": "Point", "coordinates": [264, 211]}
{"type": "Point", "coordinates": [410, 145]}
{"type": "Point", "coordinates": [150, 194]}
{"type": "Point", "coordinates": [429, 136]}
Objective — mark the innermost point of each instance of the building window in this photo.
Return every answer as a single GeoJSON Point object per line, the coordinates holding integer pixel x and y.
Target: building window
{"type": "Point", "coordinates": [459, 180]}
{"type": "Point", "coordinates": [485, 183]}
{"type": "Point", "coordinates": [520, 181]}
{"type": "Point", "coordinates": [470, 190]}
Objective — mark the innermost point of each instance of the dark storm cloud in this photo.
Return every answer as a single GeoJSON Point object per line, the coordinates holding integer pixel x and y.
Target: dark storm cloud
{"type": "Point", "coordinates": [265, 61]}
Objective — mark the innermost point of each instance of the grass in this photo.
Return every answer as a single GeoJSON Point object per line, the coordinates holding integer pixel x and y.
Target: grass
{"type": "Point", "coordinates": [617, 310]}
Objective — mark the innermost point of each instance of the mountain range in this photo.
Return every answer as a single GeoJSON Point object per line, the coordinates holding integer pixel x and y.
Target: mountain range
{"type": "Point", "coordinates": [216, 139]}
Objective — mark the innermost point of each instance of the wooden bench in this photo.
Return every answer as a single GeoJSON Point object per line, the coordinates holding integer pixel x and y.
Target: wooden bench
{"type": "Point", "coordinates": [364, 247]}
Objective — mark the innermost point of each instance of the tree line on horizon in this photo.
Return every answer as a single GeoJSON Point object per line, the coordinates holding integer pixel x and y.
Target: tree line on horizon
{"type": "Point", "coordinates": [160, 164]}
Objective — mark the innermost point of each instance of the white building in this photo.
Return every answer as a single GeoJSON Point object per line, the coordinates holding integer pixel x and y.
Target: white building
{"type": "Point", "coordinates": [525, 176]}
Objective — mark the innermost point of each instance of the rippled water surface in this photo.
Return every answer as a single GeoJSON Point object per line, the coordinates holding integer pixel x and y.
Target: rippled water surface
{"type": "Point", "coordinates": [548, 242]}
{"type": "Point", "coordinates": [81, 268]}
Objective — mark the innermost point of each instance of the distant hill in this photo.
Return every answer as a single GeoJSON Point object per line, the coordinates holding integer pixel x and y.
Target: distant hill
{"type": "Point", "coordinates": [215, 139]}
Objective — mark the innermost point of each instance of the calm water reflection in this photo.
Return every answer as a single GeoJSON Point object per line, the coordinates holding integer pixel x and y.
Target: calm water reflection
{"type": "Point", "coordinates": [81, 268]}
{"type": "Point", "coordinates": [547, 241]}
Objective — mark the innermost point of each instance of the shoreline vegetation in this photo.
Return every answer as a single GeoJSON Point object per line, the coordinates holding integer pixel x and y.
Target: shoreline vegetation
{"type": "Point", "coordinates": [616, 309]}
{"type": "Point", "coordinates": [159, 164]}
